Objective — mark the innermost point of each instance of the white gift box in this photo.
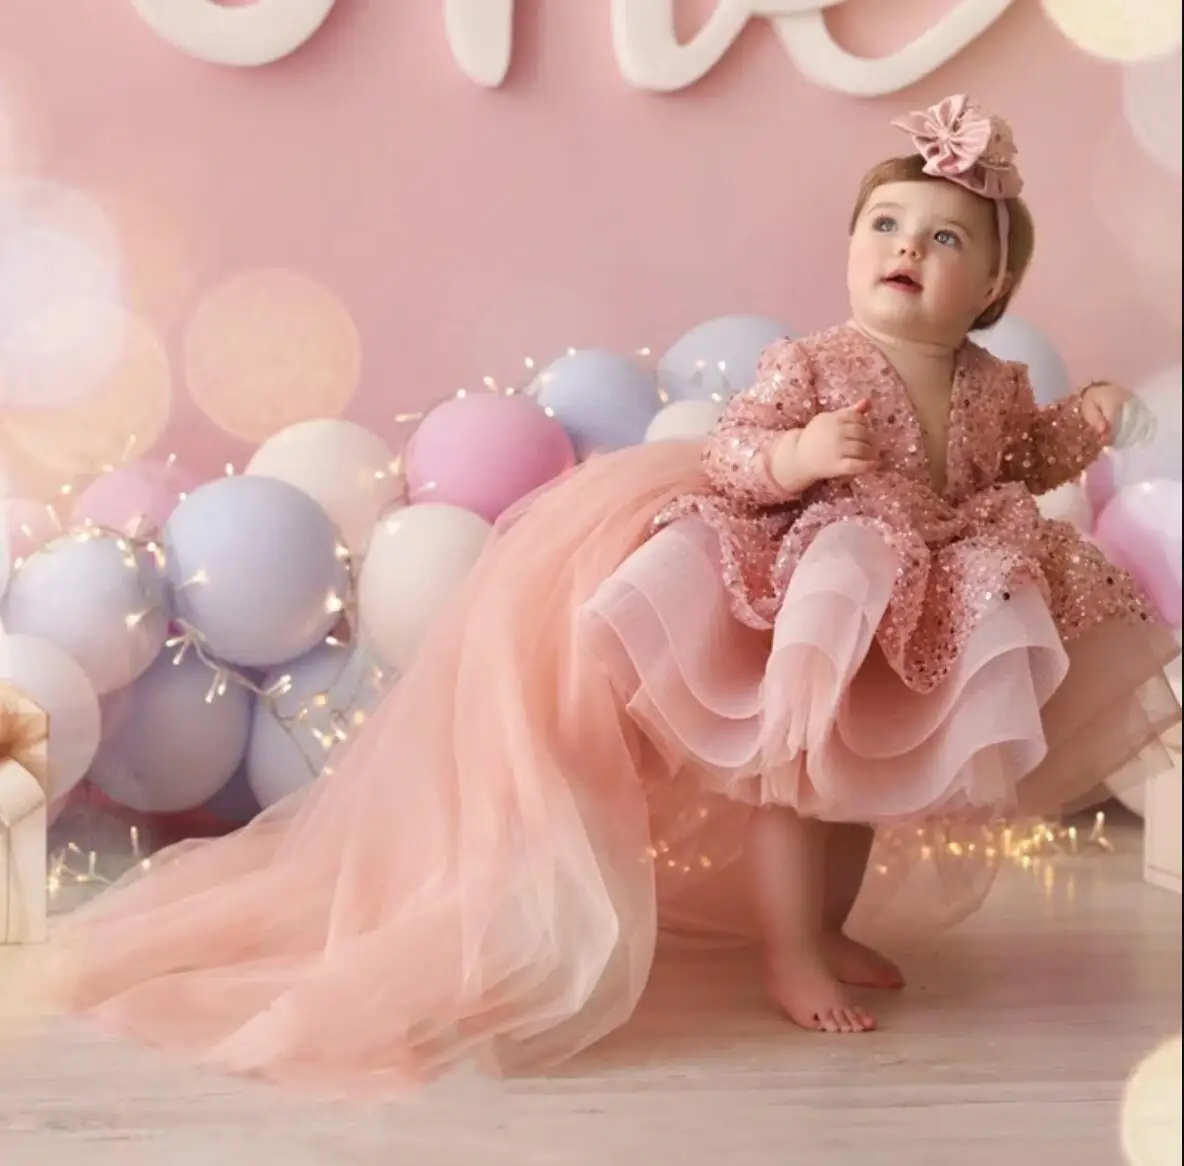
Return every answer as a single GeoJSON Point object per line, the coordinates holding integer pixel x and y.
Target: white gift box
{"type": "Point", "coordinates": [1161, 820]}
{"type": "Point", "coordinates": [24, 906]}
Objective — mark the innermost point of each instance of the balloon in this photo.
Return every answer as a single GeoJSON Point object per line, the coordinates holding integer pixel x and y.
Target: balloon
{"type": "Point", "coordinates": [1099, 482]}
{"type": "Point", "coordinates": [55, 683]}
{"type": "Point", "coordinates": [343, 466]}
{"type": "Point", "coordinates": [603, 400]}
{"type": "Point", "coordinates": [235, 803]}
{"type": "Point", "coordinates": [98, 599]}
{"type": "Point", "coordinates": [135, 499]}
{"type": "Point", "coordinates": [24, 526]}
{"type": "Point", "coordinates": [256, 569]}
{"type": "Point", "coordinates": [1012, 339]}
{"type": "Point", "coordinates": [1140, 531]}
{"type": "Point", "coordinates": [418, 556]}
{"type": "Point", "coordinates": [485, 451]}
{"type": "Point", "coordinates": [1163, 457]}
{"type": "Point", "coordinates": [719, 358]}
{"type": "Point", "coordinates": [328, 692]}
{"type": "Point", "coordinates": [181, 739]}
{"type": "Point", "coordinates": [1067, 503]}
{"type": "Point", "coordinates": [687, 420]}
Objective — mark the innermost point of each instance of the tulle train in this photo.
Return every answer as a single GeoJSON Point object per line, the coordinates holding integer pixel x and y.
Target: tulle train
{"type": "Point", "coordinates": [574, 757]}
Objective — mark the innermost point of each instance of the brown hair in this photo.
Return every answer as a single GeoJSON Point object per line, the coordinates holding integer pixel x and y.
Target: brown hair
{"type": "Point", "coordinates": [1021, 233]}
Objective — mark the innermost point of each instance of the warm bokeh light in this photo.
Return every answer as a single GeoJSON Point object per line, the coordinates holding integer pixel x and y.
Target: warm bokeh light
{"type": "Point", "coordinates": [268, 349]}
{"type": "Point", "coordinates": [1151, 98]}
{"type": "Point", "coordinates": [59, 282]}
{"type": "Point", "coordinates": [24, 477]}
{"type": "Point", "coordinates": [1119, 30]}
{"type": "Point", "coordinates": [160, 266]}
{"type": "Point", "coordinates": [1150, 1121]}
{"type": "Point", "coordinates": [122, 418]}
{"type": "Point", "coordinates": [1139, 203]}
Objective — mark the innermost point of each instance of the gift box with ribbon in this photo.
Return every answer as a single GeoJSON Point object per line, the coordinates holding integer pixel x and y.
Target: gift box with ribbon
{"type": "Point", "coordinates": [24, 741]}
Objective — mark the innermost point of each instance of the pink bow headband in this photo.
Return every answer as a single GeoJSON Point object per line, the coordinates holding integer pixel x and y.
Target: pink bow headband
{"type": "Point", "coordinates": [966, 145]}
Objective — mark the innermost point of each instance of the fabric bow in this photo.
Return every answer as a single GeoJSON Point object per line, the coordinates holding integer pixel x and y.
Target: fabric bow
{"type": "Point", "coordinates": [24, 739]}
{"type": "Point", "coordinates": [964, 144]}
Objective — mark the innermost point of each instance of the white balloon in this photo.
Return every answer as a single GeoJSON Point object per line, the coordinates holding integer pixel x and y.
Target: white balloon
{"type": "Point", "coordinates": [55, 683]}
{"type": "Point", "coordinates": [418, 556]}
{"type": "Point", "coordinates": [718, 358]}
{"type": "Point", "coordinates": [1067, 503]}
{"type": "Point", "coordinates": [1013, 339]}
{"type": "Point", "coordinates": [341, 465]}
{"type": "Point", "coordinates": [684, 421]}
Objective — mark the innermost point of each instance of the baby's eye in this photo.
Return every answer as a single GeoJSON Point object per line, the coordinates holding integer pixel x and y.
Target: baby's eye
{"type": "Point", "coordinates": [947, 238]}
{"type": "Point", "coordinates": [883, 223]}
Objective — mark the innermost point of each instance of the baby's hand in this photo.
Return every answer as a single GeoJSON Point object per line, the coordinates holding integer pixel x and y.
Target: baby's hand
{"type": "Point", "coordinates": [833, 445]}
{"type": "Point", "coordinates": [1101, 406]}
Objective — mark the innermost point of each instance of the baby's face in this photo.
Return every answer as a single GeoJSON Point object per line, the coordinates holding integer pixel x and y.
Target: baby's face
{"type": "Point", "coordinates": [922, 259]}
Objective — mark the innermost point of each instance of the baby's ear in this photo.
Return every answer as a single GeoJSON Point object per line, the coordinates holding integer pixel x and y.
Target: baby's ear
{"type": "Point", "coordinates": [995, 294]}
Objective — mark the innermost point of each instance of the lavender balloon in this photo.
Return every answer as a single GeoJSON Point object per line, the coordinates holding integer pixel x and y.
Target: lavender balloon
{"type": "Point", "coordinates": [717, 359]}
{"type": "Point", "coordinates": [1013, 339]}
{"type": "Point", "coordinates": [178, 741]}
{"type": "Point", "coordinates": [605, 401]}
{"type": "Point", "coordinates": [95, 597]}
{"type": "Point", "coordinates": [334, 685]}
{"type": "Point", "coordinates": [256, 569]}
{"type": "Point", "coordinates": [235, 803]}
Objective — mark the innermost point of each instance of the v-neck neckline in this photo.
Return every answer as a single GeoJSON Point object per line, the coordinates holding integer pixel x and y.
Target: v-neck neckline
{"type": "Point", "coordinates": [952, 417]}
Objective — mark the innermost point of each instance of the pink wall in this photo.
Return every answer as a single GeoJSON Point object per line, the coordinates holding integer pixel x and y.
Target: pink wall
{"type": "Point", "coordinates": [465, 229]}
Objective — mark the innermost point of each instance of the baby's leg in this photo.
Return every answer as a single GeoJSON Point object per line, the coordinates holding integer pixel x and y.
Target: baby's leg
{"type": "Point", "coordinates": [788, 860]}
{"type": "Point", "coordinates": [848, 846]}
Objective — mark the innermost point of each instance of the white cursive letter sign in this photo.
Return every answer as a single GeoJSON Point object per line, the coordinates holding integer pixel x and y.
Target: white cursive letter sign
{"type": "Point", "coordinates": [649, 52]}
{"type": "Point", "coordinates": [252, 34]}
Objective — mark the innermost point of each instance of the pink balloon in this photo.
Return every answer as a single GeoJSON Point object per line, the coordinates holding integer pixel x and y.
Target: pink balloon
{"type": "Point", "coordinates": [484, 452]}
{"type": "Point", "coordinates": [134, 499]}
{"type": "Point", "coordinates": [1101, 482]}
{"type": "Point", "coordinates": [25, 527]}
{"type": "Point", "coordinates": [1140, 531]}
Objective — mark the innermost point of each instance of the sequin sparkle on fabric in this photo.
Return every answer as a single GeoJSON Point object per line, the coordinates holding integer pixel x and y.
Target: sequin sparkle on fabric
{"type": "Point", "coordinates": [960, 550]}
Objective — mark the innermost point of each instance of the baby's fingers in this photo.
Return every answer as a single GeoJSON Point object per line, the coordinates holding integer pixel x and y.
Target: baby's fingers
{"type": "Point", "coordinates": [856, 446]}
{"type": "Point", "coordinates": [848, 467]}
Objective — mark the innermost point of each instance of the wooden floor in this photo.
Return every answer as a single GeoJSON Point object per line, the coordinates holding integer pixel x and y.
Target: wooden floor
{"type": "Point", "coordinates": [1011, 1046]}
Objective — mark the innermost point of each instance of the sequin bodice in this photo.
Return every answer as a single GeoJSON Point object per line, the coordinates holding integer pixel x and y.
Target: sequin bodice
{"type": "Point", "coordinates": [959, 547]}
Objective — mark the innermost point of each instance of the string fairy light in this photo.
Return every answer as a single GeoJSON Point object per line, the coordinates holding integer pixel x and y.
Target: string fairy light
{"type": "Point", "coordinates": [1024, 844]}
{"type": "Point", "coordinates": [133, 547]}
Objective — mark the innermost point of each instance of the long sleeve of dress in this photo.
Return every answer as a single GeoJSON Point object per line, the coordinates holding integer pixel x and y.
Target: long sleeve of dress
{"type": "Point", "coordinates": [737, 454]}
{"type": "Point", "coordinates": [1046, 447]}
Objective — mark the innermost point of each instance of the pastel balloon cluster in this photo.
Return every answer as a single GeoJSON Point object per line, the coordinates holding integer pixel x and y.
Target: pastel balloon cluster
{"type": "Point", "coordinates": [207, 646]}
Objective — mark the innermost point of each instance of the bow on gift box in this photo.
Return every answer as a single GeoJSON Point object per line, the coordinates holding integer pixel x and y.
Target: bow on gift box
{"type": "Point", "coordinates": [24, 757]}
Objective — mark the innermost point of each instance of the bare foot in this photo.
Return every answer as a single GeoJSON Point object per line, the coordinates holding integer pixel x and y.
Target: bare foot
{"type": "Point", "coordinates": [812, 998]}
{"type": "Point", "coordinates": [857, 964]}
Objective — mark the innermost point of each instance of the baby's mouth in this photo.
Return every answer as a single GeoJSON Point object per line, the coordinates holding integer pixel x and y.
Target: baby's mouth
{"type": "Point", "coordinates": [903, 281]}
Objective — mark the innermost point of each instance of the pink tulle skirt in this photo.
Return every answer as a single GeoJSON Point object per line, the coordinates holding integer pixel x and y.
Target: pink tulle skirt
{"type": "Point", "coordinates": [572, 762]}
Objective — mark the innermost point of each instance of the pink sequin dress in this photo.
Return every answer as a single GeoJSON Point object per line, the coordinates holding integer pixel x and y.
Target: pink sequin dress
{"type": "Point", "coordinates": [918, 652]}
{"type": "Point", "coordinates": [650, 648]}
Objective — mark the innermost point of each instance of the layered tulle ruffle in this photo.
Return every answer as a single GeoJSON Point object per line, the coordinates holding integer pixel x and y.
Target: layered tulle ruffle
{"type": "Point", "coordinates": [573, 759]}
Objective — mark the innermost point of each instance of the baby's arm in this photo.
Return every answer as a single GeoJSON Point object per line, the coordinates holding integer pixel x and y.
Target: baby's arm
{"type": "Point", "coordinates": [740, 450]}
{"type": "Point", "coordinates": [1046, 447]}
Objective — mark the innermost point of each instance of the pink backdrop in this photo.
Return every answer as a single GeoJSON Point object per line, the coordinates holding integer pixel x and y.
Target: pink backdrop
{"type": "Point", "coordinates": [464, 229]}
